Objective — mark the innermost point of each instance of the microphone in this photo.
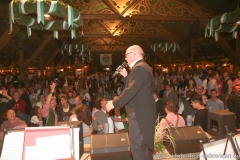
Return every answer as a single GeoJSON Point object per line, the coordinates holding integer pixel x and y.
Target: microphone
{"type": "Point", "coordinates": [119, 69]}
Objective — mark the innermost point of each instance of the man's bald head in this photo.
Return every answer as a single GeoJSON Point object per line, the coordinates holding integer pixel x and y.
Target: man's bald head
{"type": "Point", "coordinates": [133, 53]}
{"type": "Point", "coordinates": [137, 50]}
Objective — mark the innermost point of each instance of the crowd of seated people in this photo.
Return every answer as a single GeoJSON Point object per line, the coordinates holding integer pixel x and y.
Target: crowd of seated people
{"type": "Point", "coordinates": [71, 98]}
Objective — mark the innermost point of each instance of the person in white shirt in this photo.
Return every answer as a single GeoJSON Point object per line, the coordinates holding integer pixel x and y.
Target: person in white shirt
{"type": "Point", "coordinates": [119, 121]}
{"type": "Point", "coordinates": [36, 117]}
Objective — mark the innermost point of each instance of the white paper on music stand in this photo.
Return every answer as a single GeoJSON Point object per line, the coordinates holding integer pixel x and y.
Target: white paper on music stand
{"type": "Point", "coordinates": [13, 146]}
{"type": "Point", "coordinates": [53, 147]}
{"type": "Point", "coordinates": [214, 150]}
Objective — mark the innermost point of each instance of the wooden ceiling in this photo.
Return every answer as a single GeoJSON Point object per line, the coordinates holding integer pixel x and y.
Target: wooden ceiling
{"type": "Point", "coordinates": [110, 26]}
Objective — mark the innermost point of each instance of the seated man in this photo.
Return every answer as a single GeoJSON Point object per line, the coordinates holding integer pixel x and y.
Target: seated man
{"type": "Point", "coordinates": [173, 119]}
{"type": "Point", "coordinates": [170, 95]}
{"type": "Point", "coordinates": [202, 114]}
{"type": "Point", "coordinates": [214, 103]}
{"type": "Point", "coordinates": [103, 117]}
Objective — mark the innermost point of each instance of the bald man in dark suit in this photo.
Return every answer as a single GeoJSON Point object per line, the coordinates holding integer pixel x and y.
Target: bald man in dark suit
{"type": "Point", "coordinates": [140, 104]}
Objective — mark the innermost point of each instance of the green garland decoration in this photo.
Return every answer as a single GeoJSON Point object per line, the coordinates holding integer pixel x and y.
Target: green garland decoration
{"type": "Point", "coordinates": [164, 47]}
{"type": "Point", "coordinates": [22, 11]}
{"type": "Point", "coordinates": [69, 48]}
{"type": "Point", "coordinates": [223, 23]}
{"type": "Point", "coordinates": [82, 49]}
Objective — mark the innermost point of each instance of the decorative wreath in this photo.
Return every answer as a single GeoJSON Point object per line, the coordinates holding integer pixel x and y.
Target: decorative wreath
{"type": "Point", "coordinates": [164, 47]}
{"type": "Point", "coordinates": [226, 22]}
{"type": "Point", "coordinates": [82, 50]}
{"type": "Point", "coordinates": [77, 48]}
{"type": "Point", "coordinates": [22, 11]}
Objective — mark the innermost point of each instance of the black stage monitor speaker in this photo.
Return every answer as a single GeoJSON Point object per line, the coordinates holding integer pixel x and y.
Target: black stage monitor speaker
{"type": "Point", "coordinates": [75, 124]}
{"type": "Point", "coordinates": [110, 146]}
{"type": "Point", "coordinates": [218, 119]}
{"type": "Point", "coordinates": [186, 139]}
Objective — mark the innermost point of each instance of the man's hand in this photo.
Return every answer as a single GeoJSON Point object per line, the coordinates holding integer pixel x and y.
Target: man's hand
{"type": "Point", "coordinates": [94, 118]}
{"type": "Point", "coordinates": [109, 106]}
{"type": "Point", "coordinates": [52, 87]}
{"type": "Point", "coordinates": [116, 130]}
{"type": "Point", "coordinates": [124, 72]}
{"type": "Point", "coordinates": [4, 92]}
{"type": "Point", "coordinates": [100, 126]}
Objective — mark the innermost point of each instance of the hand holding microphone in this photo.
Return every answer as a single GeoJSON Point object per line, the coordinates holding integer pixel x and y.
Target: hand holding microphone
{"type": "Point", "coordinates": [121, 69]}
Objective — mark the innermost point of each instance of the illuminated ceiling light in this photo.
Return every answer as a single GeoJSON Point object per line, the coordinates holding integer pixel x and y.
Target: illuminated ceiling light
{"type": "Point", "coordinates": [46, 15]}
{"type": "Point", "coordinates": [127, 15]}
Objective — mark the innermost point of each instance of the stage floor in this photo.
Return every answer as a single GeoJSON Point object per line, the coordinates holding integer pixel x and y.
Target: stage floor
{"type": "Point", "coordinates": [158, 156]}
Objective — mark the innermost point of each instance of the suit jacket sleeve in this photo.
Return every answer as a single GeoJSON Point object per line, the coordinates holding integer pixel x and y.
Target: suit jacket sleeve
{"type": "Point", "coordinates": [136, 80]}
{"type": "Point", "coordinates": [95, 124]}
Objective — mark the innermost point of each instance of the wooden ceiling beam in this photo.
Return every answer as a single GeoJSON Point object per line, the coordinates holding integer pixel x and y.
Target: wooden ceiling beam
{"type": "Point", "coordinates": [60, 62]}
{"type": "Point", "coordinates": [180, 50]}
{"type": "Point", "coordinates": [119, 27]}
{"type": "Point", "coordinates": [140, 17]}
{"type": "Point", "coordinates": [122, 35]}
{"type": "Point", "coordinates": [111, 44]}
{"type": "Point", "coordinates": [169, 29]}
{"type": "Point", "coordinates": [226, 2]}
{"type": "Point", "coordinates": [133, 17]}
{"type": "Point", "coordinates": [204, 8]}
{"type": "Point", "coordinates": [37, 52]}
{"type": "Point", "coordinates": [87, 40]}
{"type": "Point", "coordinates": [122, 40]}
{"type": "Point", "coordinates": [103, 26]}
{"type": "Point", "coordinates": [52, 57]}
{"type": "Point", "coordinates": [6, 37]}
{"type": "Point", "coordinates": [161, 58]}
{"type": "Point", "coordinates": [221, 41]}
{"type": "Point", "coordinates": [148, 42]}
{"type": "Point", "coordinates": [111, 7]}
{"type": "Point", "coordinates": [130, 6]}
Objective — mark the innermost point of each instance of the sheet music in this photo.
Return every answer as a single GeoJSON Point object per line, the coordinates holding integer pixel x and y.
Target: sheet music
{"type": "Point", "coordinates": [13, 146]}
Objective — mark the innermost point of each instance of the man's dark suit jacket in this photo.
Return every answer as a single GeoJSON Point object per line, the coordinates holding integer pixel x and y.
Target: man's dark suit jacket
{"type": "Point", "coordinates": [138, 98]}
{"type": "Point", "coordinates": [160, 109]}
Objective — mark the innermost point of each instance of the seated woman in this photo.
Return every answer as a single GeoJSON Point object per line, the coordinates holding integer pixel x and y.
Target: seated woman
{"type": "Point", "coordinates": [36, 117]}
{"type": "Point", "coordinates": [11, 122]}
{"type": "Point", "coordinates": [64, 109]}
{"type": "Point", "coordinates": [81, 114]}
{"type": "Point", "coordinates": [172, 119]}
{"type": "Point", "coordinates": [41, 101]}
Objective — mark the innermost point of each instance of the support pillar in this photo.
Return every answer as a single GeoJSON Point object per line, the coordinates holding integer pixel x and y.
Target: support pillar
{"type": "Point", "coordinates": [170, 62]}
{"type": "Point", "coordinates": [41, 66]}
{"type": "Point", "coordinates": [21, 61]}
{"type": "Point", "coordinates": [192, 51]}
